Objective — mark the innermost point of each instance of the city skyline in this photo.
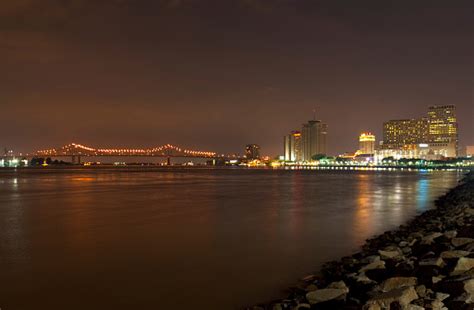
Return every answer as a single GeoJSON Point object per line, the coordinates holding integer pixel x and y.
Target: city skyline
{"type": "Point", "coordinates": [438, 127]}
{"type": "Point", "coordinates": [124, 73]}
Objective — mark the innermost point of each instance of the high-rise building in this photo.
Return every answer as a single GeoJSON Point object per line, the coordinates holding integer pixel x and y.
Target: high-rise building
{"type": "Point", "coordinates": [313, 139]}
{"type": "Point", "coordinates": [366, 143]}
{"type": "Point", "coordinates": [252, 151]}
{"type": "Point", "coordinates": [443, 126]}
{"type": "Point", "coordinates": [292, 146]}
{"type": "Point", "coordinates": [434, 137]}
{"type": "Point", "coordinates": [399, 133]}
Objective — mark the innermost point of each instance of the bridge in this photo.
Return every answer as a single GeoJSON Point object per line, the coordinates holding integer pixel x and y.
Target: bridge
{"type": "Point", "coordinates": [76, 151]}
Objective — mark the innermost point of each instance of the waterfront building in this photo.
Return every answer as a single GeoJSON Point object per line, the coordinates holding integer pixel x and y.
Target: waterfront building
{"type": "Point", "coordinates": [470, 150]}
{"type": "Point", "coordinates": [443, 126]}
{"type": "Point", "coordinates": [313, 139]}
{"type": "Point", "coordinates": [398, 133]}
{"type": "Point", "coordinates": [427, 151]}
{"type": "Point", "coordinates": [436, 136]}
{"type": "Point", "coordinates": [292, 146]}
{"type": "Point", "coordinates": [367, 143]}
{"type": "Point", "coordinates": [252, 151]}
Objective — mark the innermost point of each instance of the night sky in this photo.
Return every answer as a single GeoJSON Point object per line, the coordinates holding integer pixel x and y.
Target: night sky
{"type": "Point", "coordinates": [216, 75]}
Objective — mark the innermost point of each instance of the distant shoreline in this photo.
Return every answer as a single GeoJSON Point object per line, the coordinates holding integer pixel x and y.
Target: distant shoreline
{"type": "Point", "coordinates": [288, 168]}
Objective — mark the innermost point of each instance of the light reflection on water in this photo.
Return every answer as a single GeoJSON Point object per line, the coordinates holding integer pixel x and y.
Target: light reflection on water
{"type": "Point", "coordinates": [211, 239]}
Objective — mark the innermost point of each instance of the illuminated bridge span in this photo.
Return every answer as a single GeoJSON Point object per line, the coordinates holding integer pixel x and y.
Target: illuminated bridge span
{"type": "Point", "coordinates": [166, 150]}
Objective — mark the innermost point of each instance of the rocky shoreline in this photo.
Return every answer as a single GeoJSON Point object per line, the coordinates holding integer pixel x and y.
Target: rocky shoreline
{"type": "Point", "coordinates": [425, 264]}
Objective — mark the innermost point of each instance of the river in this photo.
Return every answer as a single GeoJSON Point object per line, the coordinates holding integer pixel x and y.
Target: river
{"type": "Point", "coordinates": [148, 238]}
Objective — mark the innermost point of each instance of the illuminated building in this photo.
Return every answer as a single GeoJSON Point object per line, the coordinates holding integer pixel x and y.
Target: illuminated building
{"type": "Point", "coordinates": [252, 151]}
{"type": "Point", "coordinates": [443, 126]}
{"type": "Point", "coordinates": [292, 146]}
{"type": "Point", "coordinates": [366, 143]}
{"type": "Point", "coordinates": [428, 151]}
{"type": "Point", "coordinates": [398, 133]}
{"type": "Point", "coordinates": [439, 132]}
{"type": "Point", "coordinates": [313, 139]}
{"type": "Point", "coordinates": [470, 150]}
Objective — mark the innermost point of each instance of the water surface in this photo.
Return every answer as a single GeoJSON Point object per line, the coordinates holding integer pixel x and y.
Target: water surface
{"type": "Point", "coordinates": [200, 238]}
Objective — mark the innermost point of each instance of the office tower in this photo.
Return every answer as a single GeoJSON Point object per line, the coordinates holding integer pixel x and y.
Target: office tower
{"type": "Point", "coordinates": [366, 143]}
{"type": "Point", "coordinates": [443, 127]}
{"type": "Point", "coordinates": [252, 151]}
{"type": "Point", "coordinates": [399, 133]}
{"type": "Point", "coordinates": [292, 146]}
{"type": "Point", "coordinates": [313, 139]}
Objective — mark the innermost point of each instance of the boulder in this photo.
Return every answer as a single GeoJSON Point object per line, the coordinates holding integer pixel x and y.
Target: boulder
{"type": "Point", "coordinates": [333, 291]}
{"type": "Point", "coordinates": [396, 282]}
{"type": "Point", "coordinates": [464, 264]}
{"type": "Point", "coordinates": [458, 242]}
{"type": "Point", "coordinates": [429, 239]}
{"type": "Point", "coordinates": [390, 254]}
{"type": "Point", "coordinates": [361, 278]}
{"type": "Point", "coordinates": [370, 259]}
{"type": "Point", "coordinates": [436, 279]}
{"type": "Point", "coordinates": [469, 287]}
{"type": "Point", "coordinates": [421, 290]}
{"type": "Point", "coordinates": [378, 264]}
{"type": "Point", "coordinates": [450, 234]}
{"type": "Point", "coordinates": [434, 262]}
{"type": "Point", "coordinates": [454, 254]}
{"type": "Point", "coordinates": [441, 296]}
{"type": "Point", "coordinates": [403, 296]}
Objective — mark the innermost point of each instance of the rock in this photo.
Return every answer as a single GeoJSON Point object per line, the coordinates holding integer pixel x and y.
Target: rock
{"type": "Point", "coordinates": [457, 242]}
{"type": "Point", "coordinates": [389, 254]}
{"type": "Point", "coordinates": [370, 259]}
{"type": "Point", "coordinates": [333, 291]}
{"type": "Point", "coordinates": [464, 264]}
{"type": "Point", "coordinates": [469, 247]}
{"type": "Point", "coordinates": [361, 278]}
{"type": "Point", "coordinates": [441, 296]}
{"type": "Point", "coordinates": [396, 282]}
{"type": "Point", "coordinates": [429, 239]}
{"type": "Point", "coordinates": [403, 296]}
{"type": "Point", "coordinates": [470, 212]}
{"type": "Point", "coordinates": [417, 235]}
{"type": "Point", "coordinates": [450, 234]}
{"type": "Point", "coordinates": [414, 307]}
{"type": "Point", "coordinates": [437, 305]}
{"type": "Point", "coordinates": [371, 307]}
{"type": "Point", "coordinates": [339, 285]}
{"type": "Point", "coordinates": [454, 254]}
{"type": "Point", "coordinates": [403, 244]}
{"type": "Point", "coordinates": [435, 262]}
{"type": "Point", "coordinates": [436, 279]}
{"type": "Point", "coordinates": [469, 286]}
{"type": "Point", "coordinates": [375, 265]}
{"type": "Point", "coordinates": [421, 290]}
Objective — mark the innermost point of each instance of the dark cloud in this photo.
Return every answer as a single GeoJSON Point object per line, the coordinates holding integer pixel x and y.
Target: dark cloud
{"type": "Point", "coordinates": [225, 73]}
